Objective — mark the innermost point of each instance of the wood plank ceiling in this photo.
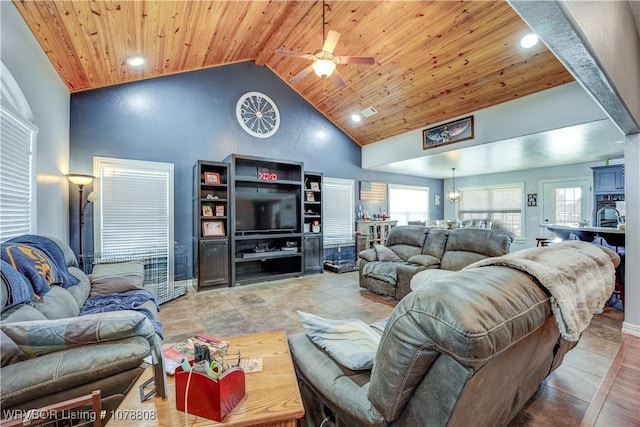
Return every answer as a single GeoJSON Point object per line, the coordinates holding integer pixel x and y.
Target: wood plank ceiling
{"type": "Point", "coordinates": [434, 60]}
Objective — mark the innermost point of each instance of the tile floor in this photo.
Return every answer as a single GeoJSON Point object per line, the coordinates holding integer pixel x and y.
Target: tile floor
{"type": "Point", "coordinates": [561, 401]}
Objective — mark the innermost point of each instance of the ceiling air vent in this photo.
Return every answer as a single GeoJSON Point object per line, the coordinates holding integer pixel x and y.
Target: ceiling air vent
{"type": "Point", "coordinates": [368, 112]}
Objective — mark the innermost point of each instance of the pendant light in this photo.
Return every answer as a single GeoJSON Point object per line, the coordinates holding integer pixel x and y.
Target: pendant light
{"type": "Point", "coordinates": [453, 195]}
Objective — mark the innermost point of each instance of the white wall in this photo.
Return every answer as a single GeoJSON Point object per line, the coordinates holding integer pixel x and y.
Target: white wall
{"type": "Point", "coordinates": [553, 108]}
{"type": "Point", "coordinates": [48, 99]}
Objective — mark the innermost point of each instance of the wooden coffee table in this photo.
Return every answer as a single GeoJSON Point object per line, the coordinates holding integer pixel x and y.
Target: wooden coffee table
{"type": "Point", "coordinates": [272, 397]}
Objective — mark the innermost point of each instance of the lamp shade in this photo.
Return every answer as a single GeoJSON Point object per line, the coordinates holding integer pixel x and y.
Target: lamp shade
{"type": "Point", "coordinates": [79, 179]}
{"type": "Point", "coordinates": [323, 67]}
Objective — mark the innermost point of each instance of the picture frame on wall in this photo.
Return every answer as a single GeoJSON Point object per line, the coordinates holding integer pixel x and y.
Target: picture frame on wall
{"type": "Point", "coordinates": [213, 228]}
{"type": "Point", "coordinates": [532, 200]}
{"type": "Point", "coordinates": [212, 178]}
{"type": "Point", "coordinates": [448, 133]}
{"type": "Point", "coordinates": [207, 211]}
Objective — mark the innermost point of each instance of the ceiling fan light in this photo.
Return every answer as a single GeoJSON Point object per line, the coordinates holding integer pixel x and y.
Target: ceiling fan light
{"type": "Point", "coordinates": [323, 67]}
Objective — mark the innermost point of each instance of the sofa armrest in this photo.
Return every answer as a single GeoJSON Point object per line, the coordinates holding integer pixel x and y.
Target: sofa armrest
{"type": "Point", "coordinates": [405, 273]}
{"type": "Point", "coordinates": [369, 255]}
{"type": "Point", "coordinates": [38, 337]}
{"type": "Point", "coordinates": [67, 369]}
{"type": "Point", "coordinates": [424, 260]}
{"type": "Point", "coordinates": [345, 391]}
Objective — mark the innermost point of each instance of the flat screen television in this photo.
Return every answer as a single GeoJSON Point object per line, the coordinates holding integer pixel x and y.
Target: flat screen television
{"type": "Point", "coordinates": [267, 211]}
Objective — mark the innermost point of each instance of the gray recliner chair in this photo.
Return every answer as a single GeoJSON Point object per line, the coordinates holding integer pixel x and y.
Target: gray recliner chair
{"type": "Point", "coordinates": [469, 349]}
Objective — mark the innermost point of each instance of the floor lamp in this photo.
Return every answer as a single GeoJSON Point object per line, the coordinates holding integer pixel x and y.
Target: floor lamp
{"type": "Point", "coordinates": [80, 181]}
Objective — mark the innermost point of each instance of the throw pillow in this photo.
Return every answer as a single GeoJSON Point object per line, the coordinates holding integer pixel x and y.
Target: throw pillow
{"type": "Point", "coordinates": [352, 343]}
{"type": "Point", "coordinates": [116, 278]}
{"type": "Point", "coordinates": [386, 254]}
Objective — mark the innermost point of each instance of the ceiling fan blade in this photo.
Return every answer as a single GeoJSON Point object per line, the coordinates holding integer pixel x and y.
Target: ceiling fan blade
{"type": "Point", "coordinates": [331, 41]}
{"type": "Point", "coordinates": [337, 79]}
{"type": "Point", "coordinates": [301, 75]}
{"type": "Point", "coordinates": [292, 53]}
{"type": "Point", "coordinates": [365, 60]}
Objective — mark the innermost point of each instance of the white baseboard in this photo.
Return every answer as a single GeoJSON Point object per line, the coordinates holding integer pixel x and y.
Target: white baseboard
{"type": "Point", "coordinates": [631, 329]}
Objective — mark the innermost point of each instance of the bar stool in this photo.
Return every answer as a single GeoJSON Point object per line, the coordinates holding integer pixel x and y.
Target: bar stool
{"type": "Point", "coordinates": [543, 241]}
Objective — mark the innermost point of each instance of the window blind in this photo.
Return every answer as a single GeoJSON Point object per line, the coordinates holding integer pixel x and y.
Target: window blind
{"type": "Point", "coordinates": [135, 205]}
{"type": "Point", "coordinates": [502, 204]}
{"type": "Point", "coordinates": [338, 211]}
{"type": "Point", "coordinates": [17, 182]}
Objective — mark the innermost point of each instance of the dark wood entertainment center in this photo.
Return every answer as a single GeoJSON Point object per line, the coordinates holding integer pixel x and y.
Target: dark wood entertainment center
{"type": "Point", "coordinates": [272, 221]}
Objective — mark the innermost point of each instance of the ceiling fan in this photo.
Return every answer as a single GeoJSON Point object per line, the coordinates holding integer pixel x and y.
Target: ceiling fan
{"type": "Point", "coordinates": [324, 61]}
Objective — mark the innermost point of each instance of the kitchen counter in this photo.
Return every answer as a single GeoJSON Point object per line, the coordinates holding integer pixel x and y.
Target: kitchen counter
{"type": "Point", "coordinates": [612, 236]}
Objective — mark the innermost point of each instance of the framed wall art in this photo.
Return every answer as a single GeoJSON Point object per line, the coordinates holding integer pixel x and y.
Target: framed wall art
{"type": "Point", "coordinates": [212, 178]}
{"type": "Point", "coordinates": [207, 211]}
{"type": "Point", "coordinates": [448, 133]}
{"type": "Point", "coordinates": [212, 228]}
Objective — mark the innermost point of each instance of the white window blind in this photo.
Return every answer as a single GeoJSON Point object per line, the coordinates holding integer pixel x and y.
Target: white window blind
{"type": "Point", "coordinates": [338, 211]}
{"type": "Point", "coordinates": [17, 178]}
{"type": "Point", "coordinates": [502, 204]}
{"type": "Point", "coordinates": [134, 204]}
{"type": "Point", "coordinates": [408, 203]}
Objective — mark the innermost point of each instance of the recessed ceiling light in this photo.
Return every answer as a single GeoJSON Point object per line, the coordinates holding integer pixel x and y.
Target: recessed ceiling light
{"type": "Point", "coordinates": [529, 41]}
{"type": "Point", "coordinates": [356, 117]}
{"type": "Point", "coordinates": [135, 61]}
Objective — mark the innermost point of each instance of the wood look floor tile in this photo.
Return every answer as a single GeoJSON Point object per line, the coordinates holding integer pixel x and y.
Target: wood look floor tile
{"type": "Point", "coordinates": [574, 382]}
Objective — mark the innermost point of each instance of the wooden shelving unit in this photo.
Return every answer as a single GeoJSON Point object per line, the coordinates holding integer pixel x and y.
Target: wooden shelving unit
{"type": "Point", "coordinates": [312, 224]}
{"type": "Point", "coordinates": [211, 224]}
{"type": "Point", "coordinates": [376, 232]}
{"type": "Point", "coordinates": [266, 207]}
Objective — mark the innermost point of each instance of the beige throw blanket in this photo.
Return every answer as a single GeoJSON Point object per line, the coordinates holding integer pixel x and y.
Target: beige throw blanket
{"type": "Point", "coordinates": [580, 277]}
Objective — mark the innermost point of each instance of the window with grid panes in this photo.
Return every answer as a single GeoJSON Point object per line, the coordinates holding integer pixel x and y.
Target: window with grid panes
{"type": "Point", "coordinates": [408, 203]}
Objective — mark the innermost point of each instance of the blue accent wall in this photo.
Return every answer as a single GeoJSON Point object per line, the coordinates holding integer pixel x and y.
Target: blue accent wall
{"type": "Point", "coordinates": [185, 117]}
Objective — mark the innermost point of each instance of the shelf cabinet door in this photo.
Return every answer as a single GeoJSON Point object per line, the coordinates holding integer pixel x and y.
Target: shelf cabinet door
{"type": "Point", "coordinates": [312, 253]}
{"type": "Point", "coordinates": [213, 263]}
{"type": "Point", "coordinates": [608, 179]}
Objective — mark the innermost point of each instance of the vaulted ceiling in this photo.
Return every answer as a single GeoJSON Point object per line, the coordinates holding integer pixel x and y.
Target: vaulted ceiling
{"type": "Point", "coordinates": [434, 60]}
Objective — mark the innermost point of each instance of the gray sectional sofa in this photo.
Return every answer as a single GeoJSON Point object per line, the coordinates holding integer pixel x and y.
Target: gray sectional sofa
{"type": "Point", "coordinates": [69, 334]}
{"type": "Point", "coordinates": [410, 249]}
{"type": "Point", "coordinates": [469, 349]}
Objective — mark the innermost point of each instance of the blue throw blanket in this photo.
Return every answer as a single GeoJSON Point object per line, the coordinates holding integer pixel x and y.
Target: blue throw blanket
{"type": "Point", "coordinates": [19, 288]}
{"type": "Point", "coordinates": [39, 259]}
{"type": "Point", "coordinates": [130, 300]}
